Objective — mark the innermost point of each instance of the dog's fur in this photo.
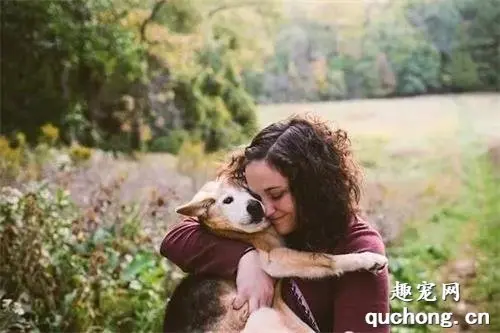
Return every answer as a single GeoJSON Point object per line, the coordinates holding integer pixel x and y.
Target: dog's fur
{"type": "Point", "coordinates": [204, 303]}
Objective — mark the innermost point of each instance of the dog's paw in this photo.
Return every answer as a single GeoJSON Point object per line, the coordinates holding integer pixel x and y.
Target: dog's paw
{"type": "Point", "coordinates": [365, 261]}
{"type": "Point", "coordinates": [373, 262]}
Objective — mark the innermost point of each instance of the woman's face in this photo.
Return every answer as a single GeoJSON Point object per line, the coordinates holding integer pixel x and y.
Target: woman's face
{"type": "Point", "coordinates": [275, 193]}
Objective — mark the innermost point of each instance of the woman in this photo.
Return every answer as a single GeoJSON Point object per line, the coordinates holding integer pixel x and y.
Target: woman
{"type": "Point", "coordinates": [303, 172]}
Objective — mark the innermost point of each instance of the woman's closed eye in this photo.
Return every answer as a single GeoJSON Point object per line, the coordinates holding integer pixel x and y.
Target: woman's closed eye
{"type": "Point", "coordinates": [277, 195]}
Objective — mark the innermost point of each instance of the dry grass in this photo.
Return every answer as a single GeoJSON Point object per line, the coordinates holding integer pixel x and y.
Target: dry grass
{"type": "Point", "coordinates": [411, 119]}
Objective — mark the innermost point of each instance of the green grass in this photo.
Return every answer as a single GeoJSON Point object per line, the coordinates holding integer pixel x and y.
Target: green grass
{"type": "Point", "coordinates": [423, 249]}
{"type": "Point", "coordinates": [486, 200]}
{"type": "Point", "coordinates": [427, 246]}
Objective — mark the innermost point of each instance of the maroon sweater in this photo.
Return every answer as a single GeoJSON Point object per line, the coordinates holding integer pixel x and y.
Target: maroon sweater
{"type": "Point", "coordinates": [338, 304]}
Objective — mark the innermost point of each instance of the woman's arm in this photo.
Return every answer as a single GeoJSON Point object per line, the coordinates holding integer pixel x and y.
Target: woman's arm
{"type": "Point", "coordinates": [359, 293]}
{"type": "Point", "coordinates": [196, 250]}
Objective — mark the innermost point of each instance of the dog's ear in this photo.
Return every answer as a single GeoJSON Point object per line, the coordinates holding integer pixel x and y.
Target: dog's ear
{"type": "Point", "coordinates": [200, 202]}
{"type": "Point", "coordinates": [195, 208]}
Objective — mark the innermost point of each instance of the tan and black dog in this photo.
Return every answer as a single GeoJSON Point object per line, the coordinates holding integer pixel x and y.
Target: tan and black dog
{"type": "Point", "coordinates": [203, 303]}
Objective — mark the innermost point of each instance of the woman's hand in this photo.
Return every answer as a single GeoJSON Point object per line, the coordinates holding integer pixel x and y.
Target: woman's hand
{"type": "Point", "coordinates": [253, 284]}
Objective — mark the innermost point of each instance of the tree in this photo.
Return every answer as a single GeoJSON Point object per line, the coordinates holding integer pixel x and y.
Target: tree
{"type": "Point", "coordinates": [483, 39]}
{"type": "Point", "coordinates": [78, 59]}
{"type": "Point", "coordinates": [68, 57]}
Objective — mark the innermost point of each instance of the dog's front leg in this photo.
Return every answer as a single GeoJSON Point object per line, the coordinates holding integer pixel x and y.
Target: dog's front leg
{"type": "Point", "coordinates": [284, 262]}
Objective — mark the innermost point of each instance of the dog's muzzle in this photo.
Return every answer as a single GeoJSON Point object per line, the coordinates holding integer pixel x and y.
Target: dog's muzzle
{"type": "Point", "coordinates": [256, 211]}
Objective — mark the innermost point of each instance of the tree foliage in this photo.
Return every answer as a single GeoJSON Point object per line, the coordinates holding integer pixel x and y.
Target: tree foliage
{"type": "Point", "coordinates": [132, 74]}
{"type": "Point", "coordinates": [120, 74]}
{"type": "Point", "coordinates": [382, 48]}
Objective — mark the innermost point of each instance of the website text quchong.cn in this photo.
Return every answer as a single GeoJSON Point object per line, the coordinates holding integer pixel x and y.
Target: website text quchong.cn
{"type": "Point", "coordinates": [443, 319]}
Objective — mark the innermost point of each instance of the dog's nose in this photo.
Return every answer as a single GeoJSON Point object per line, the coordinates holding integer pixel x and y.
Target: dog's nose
{"type": "Point", "coordinates": [254, 208]}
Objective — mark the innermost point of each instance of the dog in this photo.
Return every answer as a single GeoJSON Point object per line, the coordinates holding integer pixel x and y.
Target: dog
{"type": "Point", "coordinates": [204, 303]}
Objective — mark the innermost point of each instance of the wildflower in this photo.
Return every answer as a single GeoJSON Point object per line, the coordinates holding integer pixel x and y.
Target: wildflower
{"type": "Point", "coordinates": [135, 285]}
{"type": "Point", "coordinates": [45, 194]}
{"type": "Point", "coordinates": [18, 309]}
{"type": "Point", "coordinates": [50, 133]}
{"type": "Point", "coordinates": [62, 161]}
{"type": "Point", "coordinates": [10, 195]}
{"type": "Point", "coordinates": [6, 303]}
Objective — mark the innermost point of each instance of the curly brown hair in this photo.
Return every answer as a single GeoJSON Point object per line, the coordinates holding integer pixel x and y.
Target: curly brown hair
{"type": "Point", "coordinates": [322, 175]}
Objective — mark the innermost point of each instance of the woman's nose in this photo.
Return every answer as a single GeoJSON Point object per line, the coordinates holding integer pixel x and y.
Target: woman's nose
{"type": "Point", "coordinates": [269, 208]}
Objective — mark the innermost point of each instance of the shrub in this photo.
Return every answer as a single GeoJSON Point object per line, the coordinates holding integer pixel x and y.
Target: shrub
{"type": "Point", "coordinates": [170, 143]}
{"type": "Point", "coordinates": [463, 71]}
{"type": "Point", "coordinates": [68, 271]}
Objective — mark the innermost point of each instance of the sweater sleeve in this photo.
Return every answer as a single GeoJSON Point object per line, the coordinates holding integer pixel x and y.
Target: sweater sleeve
{"type": "Point", "coordinates": [196, 250]}
{"type": "Point", "coordinates": [359, 293]}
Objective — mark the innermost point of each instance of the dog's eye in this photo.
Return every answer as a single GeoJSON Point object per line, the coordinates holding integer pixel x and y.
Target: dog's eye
{"type": "Point", "coordinates": [228, 200]}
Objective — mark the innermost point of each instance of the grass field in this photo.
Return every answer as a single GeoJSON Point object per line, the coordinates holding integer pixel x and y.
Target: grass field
{"type": "Point", "coordinates": [407, 121]}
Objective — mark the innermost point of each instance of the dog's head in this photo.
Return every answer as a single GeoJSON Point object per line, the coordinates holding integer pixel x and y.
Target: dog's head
{"type": "Point", "coordinates": [224, 206]}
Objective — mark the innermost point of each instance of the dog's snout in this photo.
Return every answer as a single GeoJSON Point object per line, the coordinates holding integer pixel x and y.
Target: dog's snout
{"type": "Point", "coordinates": [254, 208]}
